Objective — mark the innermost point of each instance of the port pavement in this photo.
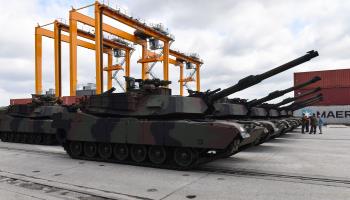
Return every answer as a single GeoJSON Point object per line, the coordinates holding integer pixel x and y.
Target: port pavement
{"type": "Point", "coordinates": [294, 166]}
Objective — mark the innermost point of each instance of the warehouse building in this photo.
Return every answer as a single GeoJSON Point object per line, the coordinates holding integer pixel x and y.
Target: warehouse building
{"type": "Point", "coordinates": [335, 85]}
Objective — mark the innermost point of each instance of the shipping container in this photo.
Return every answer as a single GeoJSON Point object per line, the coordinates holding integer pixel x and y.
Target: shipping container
{"type": "Point", "coordinates": [330, 78]}
{"type": "Point", "coordinates": [20, 101]}
{"type": "Point", "coordinates": [69, 100]}
{"type": "Point", "coordinates": [330, 114]}
{"type": "Point", "coordinates": [331, 96]}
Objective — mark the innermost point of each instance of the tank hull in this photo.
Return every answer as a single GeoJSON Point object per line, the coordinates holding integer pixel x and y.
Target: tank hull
{"type": "Point", "coordinates": [200, 137]}
{"type": "Point", "coordinates": [26, 130]}
{"type": "Point", "coordinates": [25, 124]}
{"type": "Point", "coordinates": [272, 127]}
{"type": "Point", "coordinates": [255, 136]}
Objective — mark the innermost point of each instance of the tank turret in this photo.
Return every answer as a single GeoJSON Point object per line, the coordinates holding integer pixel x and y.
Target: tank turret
{"type": "Point", "coordinates": [152, 98]}
{"type": "Point", "coordinates": [280, 93]}
{"type": "Point", "coordinates": [41, 106]}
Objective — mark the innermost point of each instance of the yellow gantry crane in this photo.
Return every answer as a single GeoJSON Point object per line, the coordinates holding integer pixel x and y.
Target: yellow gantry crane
{"type": "Point", "coordinates": [57, 35]}
{"type": "Point", "coordinates": [103, 45]}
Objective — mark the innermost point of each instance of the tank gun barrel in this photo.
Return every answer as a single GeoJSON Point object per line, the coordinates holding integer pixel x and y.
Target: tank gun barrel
{"type": "Point", "coordinates": [110, 91]}
{"type": "Point", "coordinates": [255, 79]}
{"type": "Point", "coordinates": [280, 93]}
{"type": "Point", "coordinates": [306, 104]}
{"type": "Point", "coordinates": [295, 104]}
{"type": "Point", "coordinates": [291, 99]}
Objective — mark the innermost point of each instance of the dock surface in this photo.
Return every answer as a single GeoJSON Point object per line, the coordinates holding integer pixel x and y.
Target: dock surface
{"type": "Point", "coordinates": [294, 166]}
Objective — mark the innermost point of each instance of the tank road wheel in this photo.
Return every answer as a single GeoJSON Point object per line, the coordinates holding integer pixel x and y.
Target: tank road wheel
{"type": "Point", "coordinates": [5, 137]}
{"type": "Point", "coordinates": [11, 137]}
{"type": "Point", "coordinates": [38, 139]}
{"type": "Point", "coordinates": [31, 139]}
{"type": "Point", "coordinates": [23, 138]}
{"type": "Point", "coordinates": [90, 149]}
{"type": "Point", "coordinates": [105, 150]}
{"type": "Point", "coordinates": [236, 145]}
{"type": "Point", "coordinates": [157, 154]}
{"type": "Point", "coordinates": [76, 148]}
{"type": "Point", "coordinates": [48, 139]}
{"type": "Point", "coordinates": [257, 141]}
{"type": "Point", "coordinates": [17, 137]}
{"type": "Point", "coordinates": [184, 157]}
{"type": "Point", "coordinates": [138, 153]}
{"type": "Point", "coordinates": [120, 151]}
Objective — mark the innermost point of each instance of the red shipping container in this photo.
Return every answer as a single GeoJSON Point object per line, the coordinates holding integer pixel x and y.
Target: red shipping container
{"type": "Point", "coordinates": [20, 101]}
{"type": "Point", "coordinates": [69, 100]}
{"type": "Point", "coordinates": [330, 78]}
{"type": "Point", "coordinates": [331, 96]}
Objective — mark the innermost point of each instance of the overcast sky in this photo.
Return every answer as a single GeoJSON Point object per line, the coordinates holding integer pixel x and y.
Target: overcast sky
{"type": "Point", "coordinates": [234, 38]}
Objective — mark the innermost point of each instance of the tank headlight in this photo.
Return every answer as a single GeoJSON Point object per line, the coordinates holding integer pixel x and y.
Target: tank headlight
{"type": "Point", "coordinates": [243, 132]}
{"type": "Point", "coordinates": [242, 129]}
{"type": "Point", "coordinates": [265, 130]}
{"type": "Point", "coordinates": [245, 135]}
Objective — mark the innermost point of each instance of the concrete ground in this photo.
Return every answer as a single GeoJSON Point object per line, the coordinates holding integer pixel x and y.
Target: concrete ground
{"type": "Point", "coordinates": [294, 166]}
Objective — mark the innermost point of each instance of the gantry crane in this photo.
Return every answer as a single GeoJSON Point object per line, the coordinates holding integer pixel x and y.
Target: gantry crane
{"type": "Point", "coordinates": [40, 31]}
{"type": "Point", "coordinates": [142, 33]}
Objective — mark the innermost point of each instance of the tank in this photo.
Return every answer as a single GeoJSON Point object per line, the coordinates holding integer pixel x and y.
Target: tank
{"type": "Point", "coordinates": [301, 105]}
{"type": "Point", "coordinates": [279, 118]}
{"type": "Point", "coordinates": [246, 114]}
{"type": "Point", "coordinates": [31, 123]}
{"type": "Point", "coordinates": [148, 126]}
{"type": "Point", "coordinates": [288, 120]}
{"type": "Point", "coordinates": [267, 117]}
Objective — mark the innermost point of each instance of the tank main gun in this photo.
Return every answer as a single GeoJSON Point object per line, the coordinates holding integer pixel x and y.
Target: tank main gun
{"type": "Point", "coordinates": [295, 104]}
{"type": "Point", "coordinates": [110, 91]}
{"type": "Point", "coordinates": [255, 79]}
{"type": "Point", "coordinates": [280, 93]}
{"type": "Point", "coordinates": [307, 101]}
{"type": "Point", "coordinates": [306, 104]}
{"type": "Point", "coordinates": [291, 99]}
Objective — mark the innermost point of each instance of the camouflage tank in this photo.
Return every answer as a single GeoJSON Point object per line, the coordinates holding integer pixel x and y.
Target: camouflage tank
{"type": "Point", "coordinates": [30, 123]}
{"type": "Point", "coordinates": [268, 115]}
{"type": "Point", "coordinates": [256, 118]}
{"type": "Point", "coordinates": [287, 111]}
{"type": "Point", "coordinates": [238, 112]}
{"type": "Point", "coordinates": [148, 126]}
{"type": "Point", "coordinates": [290, 122]}
{"type": "Point", "coordinates": [299, 105]}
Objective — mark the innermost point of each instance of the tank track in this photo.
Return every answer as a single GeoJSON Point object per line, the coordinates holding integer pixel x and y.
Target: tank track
{"type": "Point", "coordinates": [29, 138]}
{"type": "Point", "coordinates": [169, 163]}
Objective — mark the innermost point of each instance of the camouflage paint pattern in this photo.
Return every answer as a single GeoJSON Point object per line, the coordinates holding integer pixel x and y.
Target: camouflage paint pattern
{"type": "Point", "coordinates": [206, 134]}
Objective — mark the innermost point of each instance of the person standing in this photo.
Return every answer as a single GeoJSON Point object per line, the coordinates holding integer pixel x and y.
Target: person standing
{"type": "Point", "coordinates": [320, 123]}
{"type": "Point", "coordinates": [303, 123]}
{"type": "Point", "coordinates": [307, 124]}
{"type": "Point", "coordinates": [313, 124]}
